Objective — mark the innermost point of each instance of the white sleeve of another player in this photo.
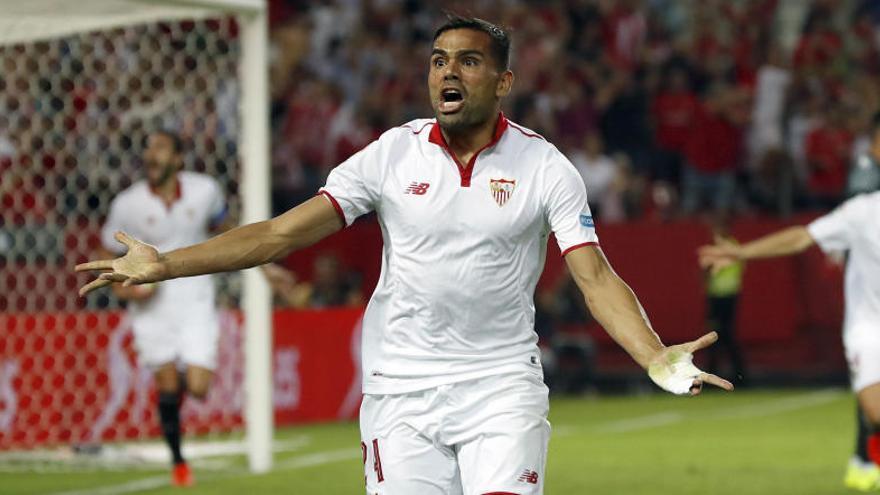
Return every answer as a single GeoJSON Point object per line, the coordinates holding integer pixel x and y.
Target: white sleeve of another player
{"type": "Point", "coordinates": [354, 185]}
{"type": "Point", "coordinates": [835, 231]}
{"type": "Point", "coordinates": [218, 207]}
{"type": "Point", "coordinates": [567, 210]}
{"type": "Point", "coordinates": [115, 222]}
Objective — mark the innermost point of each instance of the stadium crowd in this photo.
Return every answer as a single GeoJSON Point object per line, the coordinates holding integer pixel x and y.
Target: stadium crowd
{"type": "Point", "coordinates": [667, 108]}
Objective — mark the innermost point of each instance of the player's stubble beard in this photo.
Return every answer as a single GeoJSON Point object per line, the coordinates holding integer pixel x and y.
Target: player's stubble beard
{"type": "Point", "coordinates": [470, 118]}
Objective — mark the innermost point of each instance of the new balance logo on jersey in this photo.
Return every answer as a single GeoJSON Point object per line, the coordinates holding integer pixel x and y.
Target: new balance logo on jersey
{"type": "Point", "coordinates": [528, 476]}
{"type": "Point", "coordinates": [417, 188]}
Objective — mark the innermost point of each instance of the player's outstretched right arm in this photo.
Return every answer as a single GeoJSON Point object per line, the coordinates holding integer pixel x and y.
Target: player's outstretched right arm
{"type": "Point", "coordinates": [785, 242]}
{"type": "Point", "coordinates": [243, 247]}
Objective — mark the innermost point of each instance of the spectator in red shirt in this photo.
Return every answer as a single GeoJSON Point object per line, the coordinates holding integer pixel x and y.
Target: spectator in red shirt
{"type": "Point", "coordinates": [673, 111]}
{"type": "Point", "coordinates": [712, 152]}
{"type": "Point", "coordinates": [827, 153]}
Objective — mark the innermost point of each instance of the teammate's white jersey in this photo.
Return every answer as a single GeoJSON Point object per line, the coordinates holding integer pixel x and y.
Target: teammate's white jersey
{"type": "Point", "coordinates": [145, 216]}
{"type": "Point", "coordinates": [463, 250]}
{"type": "Point", "coordinates": [855, 227]}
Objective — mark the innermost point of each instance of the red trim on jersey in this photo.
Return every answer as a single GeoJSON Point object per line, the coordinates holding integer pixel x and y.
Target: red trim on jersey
{"type": "Point", "coordinates": [578, 246]}
{"type": "Point", "coordinates": [500, 493]}
{"type": "Point", "coordinates": [335, 205]}
{"type": "Point", "coordinates": [437, 138]}
{"type": "Point", "coordinates": [527, 134]}
{"type": "Point", "coordinates": [168, 204]}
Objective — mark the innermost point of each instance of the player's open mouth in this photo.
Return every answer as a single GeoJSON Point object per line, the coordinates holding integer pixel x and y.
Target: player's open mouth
{"type": "Point", "coordinates": [451, 100]}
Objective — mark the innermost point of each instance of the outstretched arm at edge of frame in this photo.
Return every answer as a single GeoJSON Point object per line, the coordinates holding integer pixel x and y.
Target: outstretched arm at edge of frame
{"type": "Point", "coordinates": [785, 242]}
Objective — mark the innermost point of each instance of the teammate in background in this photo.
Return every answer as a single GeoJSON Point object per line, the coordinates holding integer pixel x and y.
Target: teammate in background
{"type": "Point", "coordinates": [852, 227]}
{"type": "Point", "coordinates": [722, 300]}
{"type": "Point", "coordinates": [330, 286]}
{"type": "Point", "coordinates": [453, 395]}
{"type": "Point", "coordinates": [175, 323]}
{"type": "Point", "coordinates": [864, 177]}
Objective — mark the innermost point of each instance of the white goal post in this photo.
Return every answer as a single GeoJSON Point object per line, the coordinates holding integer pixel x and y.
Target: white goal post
{"type": "Point", "coordinates": [37, 20]}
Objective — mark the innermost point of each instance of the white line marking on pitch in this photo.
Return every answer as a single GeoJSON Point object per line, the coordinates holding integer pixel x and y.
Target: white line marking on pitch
{"type": "Point", "coordinates": [318, 458]}
{"type": "Point", "coordinates": [130, 487]}
{"type": "Point", "coordinates": [641, 423]}
{"type": "Point", "coordinates": [779, 406]}
{"type": "Point", "coordinates": [759, 409]}
{"type": "Point", "coordinates": [297, 462]}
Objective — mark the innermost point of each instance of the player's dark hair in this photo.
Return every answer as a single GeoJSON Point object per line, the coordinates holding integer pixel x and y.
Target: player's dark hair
{"type": "Point", "coordinates": [174, 137]}
{"type": "Point", "coordinates": [500, 38]}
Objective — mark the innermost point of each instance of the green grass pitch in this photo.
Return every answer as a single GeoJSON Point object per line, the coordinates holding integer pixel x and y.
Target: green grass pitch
{"type": "Point", "coordinates": [748, 442]}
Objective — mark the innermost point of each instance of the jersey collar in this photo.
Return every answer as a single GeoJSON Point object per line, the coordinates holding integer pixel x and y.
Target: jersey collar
{"type": "Point", "coordinates": [168, 204]}
{"type": "Point", "coordinates": [436, 137]}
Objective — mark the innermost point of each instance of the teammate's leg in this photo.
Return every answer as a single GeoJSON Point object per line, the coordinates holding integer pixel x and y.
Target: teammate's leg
{"type": "Point", "coordinates": [170, 392]}
{"type": "Point", "coordinates": [869, 400]}
{"type": "Point", "coordinates": [198, 381]}
{"type": "Point", "coordinates": [198, 334]}
{"type": "Point", "coordinates": [863, 357]}
{"type": "Point", "coordinates": [862, 474]}
{"type": "Point", "coordinates": [863, 433]}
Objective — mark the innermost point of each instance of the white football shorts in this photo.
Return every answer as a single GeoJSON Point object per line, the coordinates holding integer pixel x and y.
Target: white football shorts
{"type": "Point", "coordinates": [483, 436]}
{"type": "Point", "coordinates": [186, 336]}
{"type": "Point", "coordinates": [863, 357]}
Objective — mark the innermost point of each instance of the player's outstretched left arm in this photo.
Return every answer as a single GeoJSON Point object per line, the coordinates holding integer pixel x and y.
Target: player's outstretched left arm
{"type": "Point", "coordinates": [242, 247]}
{"type": "Point", "coordinates": [788, 241]}
{"type": "Point", "coordinates": [616, 308]}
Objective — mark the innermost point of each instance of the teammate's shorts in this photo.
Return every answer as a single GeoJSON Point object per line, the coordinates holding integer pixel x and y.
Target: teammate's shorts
{"type": "Point", "coordinates": [187, 336]}
{"type": "Point", "coordinates": [483, 436]}
{"type": "Point", "coordinates": [863, 357]}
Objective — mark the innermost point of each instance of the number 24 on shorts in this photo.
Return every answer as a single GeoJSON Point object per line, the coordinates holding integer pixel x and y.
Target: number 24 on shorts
{"type": "Point", "coordinates": [377, 460]}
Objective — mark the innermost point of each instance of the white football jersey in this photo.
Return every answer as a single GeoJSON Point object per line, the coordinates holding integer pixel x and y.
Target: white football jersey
{"type": "Point", "coordinates": [855, 227]}
{"type": "Point", "coordinates": [144, 215]}
{"type": "Point", "coordinates": [463, 250]}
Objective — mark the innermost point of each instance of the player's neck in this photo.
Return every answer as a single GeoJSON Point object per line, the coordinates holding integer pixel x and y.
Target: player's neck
{"type": "Point", "coordinates": [167, 191]}
{"type": "Point", "coordinates": [466, 142]}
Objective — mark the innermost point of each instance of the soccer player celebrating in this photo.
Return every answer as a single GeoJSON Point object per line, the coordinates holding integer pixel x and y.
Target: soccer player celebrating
{"type": "Point", "coordinates": [852, 227]}
{"type": "Point", "coordinates": [453, 395]}
{"type": "Point", "coordinates": [175, 323]}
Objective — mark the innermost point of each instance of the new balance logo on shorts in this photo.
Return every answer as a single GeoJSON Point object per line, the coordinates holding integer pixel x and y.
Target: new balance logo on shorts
{"type": "Point", "coordinates": [528, 476]}
{"type": "Point", "coordinates": [417, 188]}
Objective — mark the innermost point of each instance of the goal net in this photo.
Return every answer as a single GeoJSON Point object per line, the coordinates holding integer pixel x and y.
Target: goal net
{"type": "Point", "coordinates": [76, 105]}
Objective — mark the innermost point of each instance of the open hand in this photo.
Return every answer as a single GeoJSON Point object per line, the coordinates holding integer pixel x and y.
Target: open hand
{"type": "Point", "coordinates": [139, 265]}
{"type": "Point", "coordinates": [673, 369]}
{"type": "Point", "coordinates": [719, 255]}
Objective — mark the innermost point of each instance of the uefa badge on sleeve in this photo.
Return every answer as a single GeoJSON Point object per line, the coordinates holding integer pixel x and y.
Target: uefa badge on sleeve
{"type": "Point", "coordinates": [501, 190]}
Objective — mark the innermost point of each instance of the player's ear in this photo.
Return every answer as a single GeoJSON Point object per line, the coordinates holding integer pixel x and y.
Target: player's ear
{"type": "Point", "coordinates": [505, 84]}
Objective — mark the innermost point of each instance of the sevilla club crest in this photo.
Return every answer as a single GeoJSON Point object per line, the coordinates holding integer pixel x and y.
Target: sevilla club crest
{"type": "Point", "coordinates": [501, 190]}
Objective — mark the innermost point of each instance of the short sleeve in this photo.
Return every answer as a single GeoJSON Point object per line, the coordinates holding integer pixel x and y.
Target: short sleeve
{"type": "Point", "coordinates": [353, 186]}
{"type": "Point", "coordinates": [567, 210]}
{"type": "Point", "coordinates": [836, 230]}
{"type": "Point", "coordinates": [115, 222]}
